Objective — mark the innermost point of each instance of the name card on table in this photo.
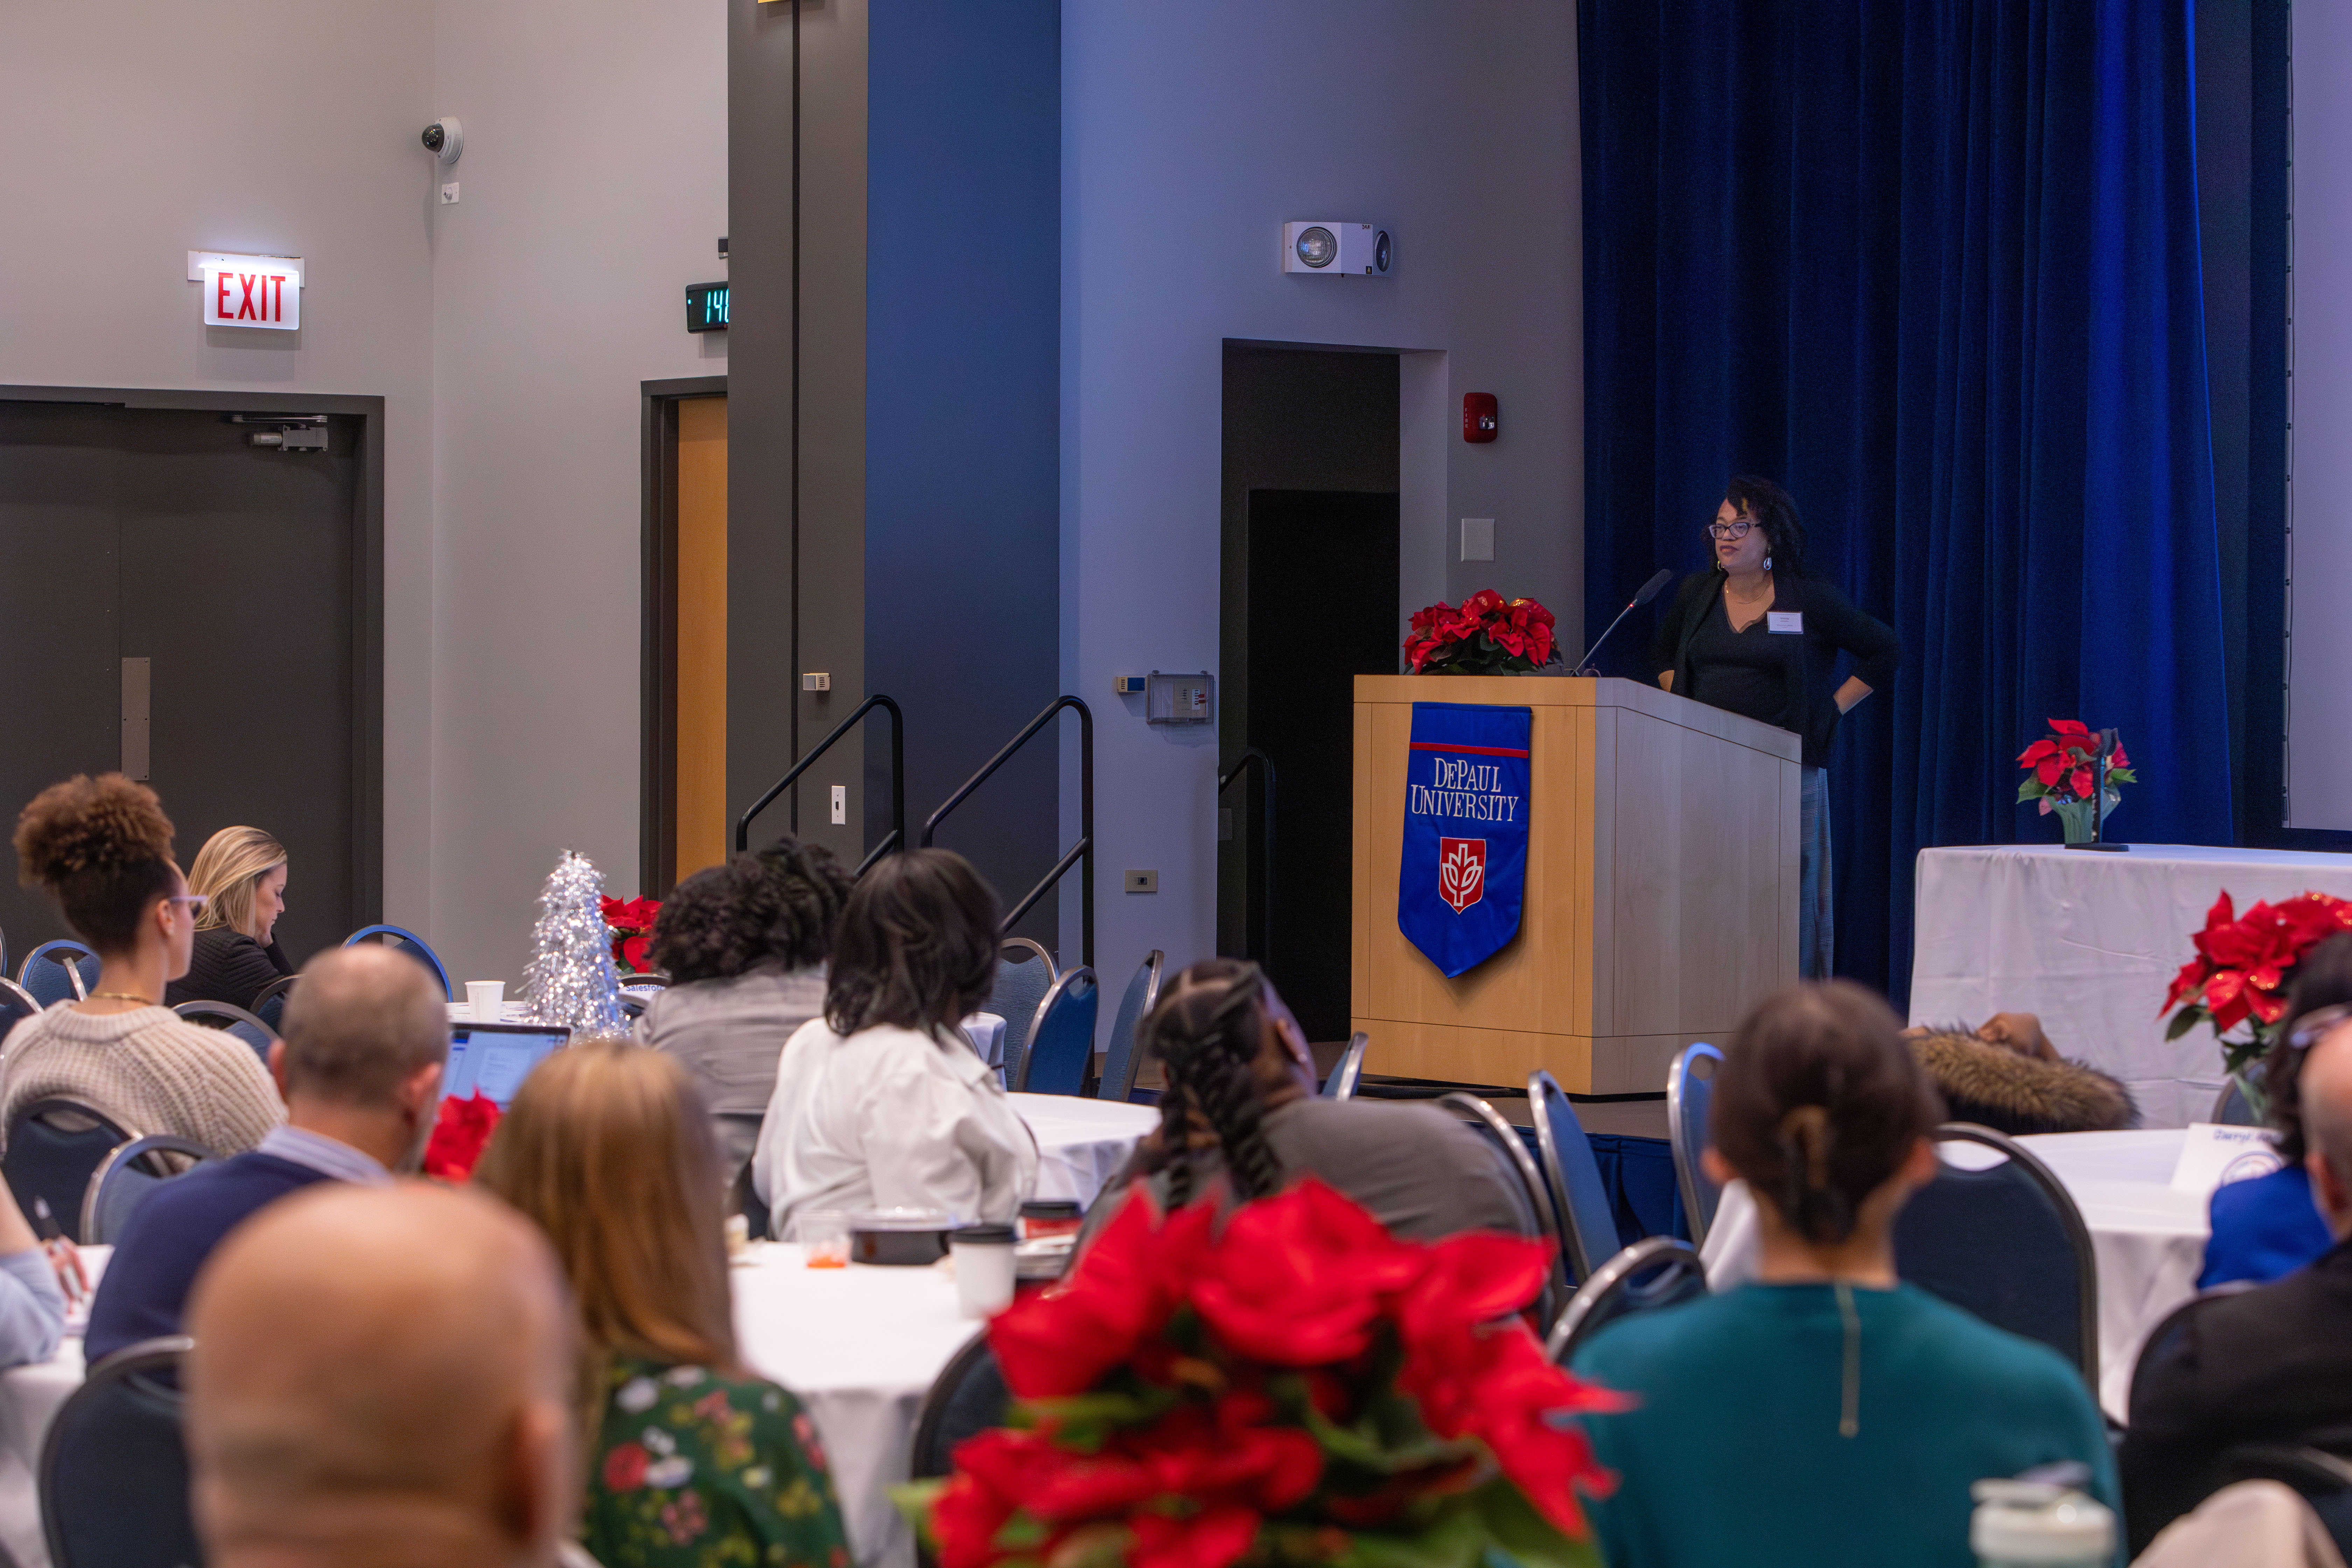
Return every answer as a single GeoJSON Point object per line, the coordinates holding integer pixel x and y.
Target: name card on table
{"type": "Point", "coordinates": [2214, 1156]}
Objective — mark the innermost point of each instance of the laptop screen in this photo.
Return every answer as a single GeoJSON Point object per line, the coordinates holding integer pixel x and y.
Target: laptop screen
{"type": "Point", "coordinates": [493, 1060]}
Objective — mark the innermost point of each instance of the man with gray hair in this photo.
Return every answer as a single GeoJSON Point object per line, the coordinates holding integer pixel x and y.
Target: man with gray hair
{"type": "Point", "coordinates": [2270, 1367]}
{"type": "Point", "coordinates": [367, 1032]}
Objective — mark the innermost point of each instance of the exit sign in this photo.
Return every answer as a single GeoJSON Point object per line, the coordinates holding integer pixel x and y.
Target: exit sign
{"type": "Point", "coordinates": [706, 306]}
{"type": "Point", "coordinates": [264, 291]}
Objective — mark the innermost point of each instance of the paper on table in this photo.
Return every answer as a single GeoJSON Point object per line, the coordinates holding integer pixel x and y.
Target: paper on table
{"type": "Point", "coordinates": [2213, 1156]}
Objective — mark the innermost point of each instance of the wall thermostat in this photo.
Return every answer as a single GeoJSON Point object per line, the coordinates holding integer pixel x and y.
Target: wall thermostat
{"type": "Point", "coordinates": [1337, 249]}
{"type": "Point", "coordinates": [1177, 699]}
{"type": "Point", "coordinates": [1128, 685]}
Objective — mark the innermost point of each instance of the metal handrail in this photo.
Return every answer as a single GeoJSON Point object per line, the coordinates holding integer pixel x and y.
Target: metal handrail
{"type": "Point", "coordinates": [1083, 850]}
{"type": "Point", "coordinates": [897, 837]}
{"type": "Point", "coordinates": [1224, 781]}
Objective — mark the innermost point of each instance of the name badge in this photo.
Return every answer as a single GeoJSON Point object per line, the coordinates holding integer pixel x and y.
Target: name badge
{"type": "Point", "coordinates": [1792, 622]}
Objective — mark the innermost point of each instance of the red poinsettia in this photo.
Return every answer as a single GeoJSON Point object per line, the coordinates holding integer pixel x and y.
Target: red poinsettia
{"type": "Point", "coordinates": [1485, 634]}
{"type": "Point", "coordinates": [460, 1132]}
{"type": "Point", "coordinates": [631, 923]}
{"type": "Point", "coordinates": [2063, 763]}
{"type": "Point", "coordinates": [2243, 969]}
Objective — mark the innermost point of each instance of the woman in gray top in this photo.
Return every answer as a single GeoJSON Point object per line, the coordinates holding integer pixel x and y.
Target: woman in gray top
{"type": "Point", "coordinates": [744, 946]}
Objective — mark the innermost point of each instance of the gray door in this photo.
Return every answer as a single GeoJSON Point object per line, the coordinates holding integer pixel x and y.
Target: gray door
{"type": "Point", "coordinates": [165, 535]}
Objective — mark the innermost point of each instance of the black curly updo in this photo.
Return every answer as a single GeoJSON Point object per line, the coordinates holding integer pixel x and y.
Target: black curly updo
{"type": "Point", "coordinates": [777, 908]}
{"type": "Point", "coordinates": [103, 848]}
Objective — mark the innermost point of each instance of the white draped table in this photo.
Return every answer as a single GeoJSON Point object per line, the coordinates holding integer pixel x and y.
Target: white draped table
{"type": "Point", "coordinates": [2090, 942]}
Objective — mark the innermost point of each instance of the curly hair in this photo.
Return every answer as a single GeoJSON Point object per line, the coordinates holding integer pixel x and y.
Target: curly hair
{"type": "Point", "coordinates": [103, 848]}
{"type": "Point", "coordinates": [1206, 1031]}
{"type": "Point", "coordinates": [1774, 510]}
{"type": "Point", "coordinates": [917, 945]}
{"type": "Point", "coordinates": [779, 906]}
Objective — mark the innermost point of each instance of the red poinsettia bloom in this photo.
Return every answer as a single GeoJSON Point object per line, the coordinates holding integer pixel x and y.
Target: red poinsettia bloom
{"type": "Point", "coordinates": [460, 1134]}
{"type": "Point", "coordinates": [2244, 964]}
{"type": "Point", "coordinates": [1299, 1282]}
{"type": "Point", "coordinates": [1062, 1341]}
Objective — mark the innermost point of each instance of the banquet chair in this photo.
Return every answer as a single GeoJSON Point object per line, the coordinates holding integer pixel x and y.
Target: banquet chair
{"type": "Point", "coordinates": [2168, 1329]}
{"type": "Point", "coordinates": [59, 971]}
{"type": "Point", "coordinates": [1025, 973]}
{"type": "Point", "coordinates": [2231, 1108]}
{"type": "Point", "coordinates": [2008, 1244]}
{"type": "Point", "coordinates": [269, 1003]}
{"type": "Point", "coordinates": [967, 1398]}
{"type": "Point", "coordinates": [1061, 1047]}
{"type": "Point", "coordinates": [1690, 1089]}
{"type": "Point", "coordinates": [15, 1003]}
{"type": "Point", "coordinates": [1505, 1137]}
{"type": "Point", "coordinates": [114, 1470]}
{"type": "Point", "coordinates": [1349, 1070]}
{"type": "Point", "coordinates": [1579, 1200]}
{"type": "Point", "coordinates": [409, 942]}
{"type": "Point", "coordinates": [1655, 1272]}
{"type": "Point", "coordinates": [55, 1147]}
{"type": "Point", "coordinates": [1125, 1054]}
{"type": "Point", "coordinates": [234, 1020]}
{"type": "Point", "coordinates": [125, 1177]}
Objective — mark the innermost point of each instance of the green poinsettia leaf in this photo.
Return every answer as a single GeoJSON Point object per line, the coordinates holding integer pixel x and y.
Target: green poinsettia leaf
{"type": "Point", "coordinates": [2032, 789]}
{"type": "Point", "coordinates": [2122, 775]}
{"type": "Point", "coordinates": [914, 1500]}
{"type": "Point", "coordinates": [2188, 1018]}
{"type": "Point", "coordinates": [1526, 1536]}
{"type": "Point", "coordinates": [1459, 1539]}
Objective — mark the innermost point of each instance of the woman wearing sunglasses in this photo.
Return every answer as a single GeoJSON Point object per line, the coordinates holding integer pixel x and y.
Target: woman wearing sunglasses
{"type": "Point", "coordinates": [1758, 636]}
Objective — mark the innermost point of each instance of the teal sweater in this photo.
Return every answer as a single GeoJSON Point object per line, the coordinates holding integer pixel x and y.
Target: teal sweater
{"type": "Point", "coordinates": [1735, 1454]}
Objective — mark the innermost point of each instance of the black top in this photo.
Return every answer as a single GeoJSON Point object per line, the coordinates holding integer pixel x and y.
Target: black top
{"type": "Point", "coordinates": [1781, 678]}
{"type": "Point", "coordinates": [226, 966]}
{"type": "Point", "coordinates": [2271, 1367]}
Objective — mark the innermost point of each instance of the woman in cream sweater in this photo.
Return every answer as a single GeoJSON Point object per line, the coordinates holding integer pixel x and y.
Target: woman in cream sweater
{"type": "Point", "coordinates": [103, 846]}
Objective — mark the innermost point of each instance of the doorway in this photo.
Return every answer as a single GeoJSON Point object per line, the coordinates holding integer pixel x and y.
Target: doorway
{"type": "Point", "coordinates": [203, 613]}
{"type": "Point", "coordinates": [684, 826]}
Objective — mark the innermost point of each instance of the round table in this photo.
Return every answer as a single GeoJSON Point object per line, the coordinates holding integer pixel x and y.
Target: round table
{"type": "Point", "coordinates": [2147, 1236]}
{"type": "Point", "coordinates": [1081, 1143]}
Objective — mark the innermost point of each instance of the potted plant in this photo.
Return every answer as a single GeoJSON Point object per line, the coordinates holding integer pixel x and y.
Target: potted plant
{"type": "Point", "coordinates": [2243, 967]}
{"type": "Point", "coordinates": [1485, 634]}
{"type": "Point", "coordinates": [2060, 768]}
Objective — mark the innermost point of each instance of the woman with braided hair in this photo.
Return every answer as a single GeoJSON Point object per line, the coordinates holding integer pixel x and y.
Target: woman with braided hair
{"type": "Point", "coordinates": [1240, 1119]}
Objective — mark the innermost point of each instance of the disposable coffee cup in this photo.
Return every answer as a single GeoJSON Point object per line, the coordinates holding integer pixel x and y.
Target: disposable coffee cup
{"type": "Point", "coordinates": [983, 1268]}
{"type": "Point", "coordinates": [486, 1000]}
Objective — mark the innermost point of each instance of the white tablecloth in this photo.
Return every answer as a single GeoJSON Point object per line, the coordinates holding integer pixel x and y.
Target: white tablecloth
{"type": "Point", "coordinates": [1081, 1142]}
{"type": "Point", "coordinates": [2148, 1238]}
{"type": "Point", "coordinates": [2090, 942]}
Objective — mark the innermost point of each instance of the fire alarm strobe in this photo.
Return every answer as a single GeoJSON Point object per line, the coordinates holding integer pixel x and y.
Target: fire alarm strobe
{"type": "Point", "coordinates": [1337, 249]}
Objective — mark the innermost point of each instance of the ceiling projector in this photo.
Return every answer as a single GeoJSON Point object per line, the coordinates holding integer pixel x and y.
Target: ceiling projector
{"type": "Point", "coordinates": [1337, 249]}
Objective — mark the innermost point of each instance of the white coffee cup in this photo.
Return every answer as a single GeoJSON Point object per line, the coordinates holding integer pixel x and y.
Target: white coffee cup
{"type": "Point", "coordinates": [983, 1268]}
{"type": "Point", "coordinates": [487, 1000]}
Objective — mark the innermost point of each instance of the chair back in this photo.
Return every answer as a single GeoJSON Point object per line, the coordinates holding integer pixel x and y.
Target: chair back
{"type": "Point", "coordinates": [1349, 1069]}
{"type": "Point", "coordinates": [55, 1147]}
{"type": "Point", "coordinates": [232, 1019]}
{"type": "Point", "coordinates": [1124, 1055]}
{"type": "Point", "coordinates": [1505, 1137]}
{"type": "Point", "coordinates": [967, 1398]}
{"type": "Point", "coordinates": [17, 1004]}
{"type": "Point", "coordinates": [1025, 973]}
{"type": "Point", "coordinates": [2165, 1335]}
{"type": "Point", "coordinates": [124, 1179]}
{"type": "Point", "coordinates": [1655, 1272]}
{"type": "Point", "coordinates": [1061, 1047]}
{"type": "Point", "coordinates": [114, 1469]}
{"type": "Point", "coordinates": [1579, 1200]}
{"type": "Point", "coordinates": [2006, 1243]}
{"type": "Point", "coordinates": [2231, 1108]}
{"type": "Point", "coordinates": [409, 942]}
{"type": "Point", "coordinates": [59, 971]}
{"type": "Point", "coordinates": [1690, 1090]}
{"type": "Point", "coordinates": [269, 1003]}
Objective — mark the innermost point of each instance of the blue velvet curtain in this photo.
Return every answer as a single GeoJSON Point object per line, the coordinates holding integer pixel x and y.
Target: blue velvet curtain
{"type": "Point", "coordinates": [1932, 265]}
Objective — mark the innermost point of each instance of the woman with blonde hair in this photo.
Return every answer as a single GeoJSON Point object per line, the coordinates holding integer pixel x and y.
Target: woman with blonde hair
{"type": "Point", "coordinates": [241, 874]}
{"type": "Point", "coordinates": [691, 1458]}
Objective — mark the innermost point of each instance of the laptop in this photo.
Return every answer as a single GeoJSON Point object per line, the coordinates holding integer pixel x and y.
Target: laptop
{"type": "Point", "coordinates": [493, 1060]}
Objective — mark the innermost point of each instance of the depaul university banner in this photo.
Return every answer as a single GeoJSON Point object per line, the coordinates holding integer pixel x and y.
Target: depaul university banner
{"type": "Point", "coordinates": [1466, 831]}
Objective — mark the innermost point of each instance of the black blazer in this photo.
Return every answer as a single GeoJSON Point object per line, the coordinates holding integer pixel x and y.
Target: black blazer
{"type": "Point", "coordinates": [1831, 625]}
{"type": "Point", "coordinates": [226, 966]}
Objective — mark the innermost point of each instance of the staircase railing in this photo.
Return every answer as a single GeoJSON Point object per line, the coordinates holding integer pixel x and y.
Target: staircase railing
{"type": "Point", "coordinates": [1081, 853]}
{"type": "Point", "coordinates": [1250, 754]}
{"type": "Point", "coordinates": [897, 837]}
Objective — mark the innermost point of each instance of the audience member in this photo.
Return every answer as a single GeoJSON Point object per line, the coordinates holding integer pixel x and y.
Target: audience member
{"type": "Point", "coordinates": [381, 1379]}
{"type": "Point", "coordinates": [2006, 1075]}
{"type": "Point", "coordinates": [744, 946]}
{"type": "Point", "coordinates": [2271, 1367]}
{"type": "Point", "coordinates": [242, 872]}
{"type": "Point", "coordinates": [103, 848]}
{"type": "Point", "coordinates": [693, 1460]}
{"type": "Point", "coordinates": [1240, 1119]}
{"type": "Point", "coordinates": [1831, 1414]}
{"type": "Point", "coordinates": [366, 1037]}
{"type": "Point", "coordinates": [33, 1284]}
{"type": "Point", "coordinates": [2267, 1229]}
{"type": "Point", "coordinates": [882, 1103]}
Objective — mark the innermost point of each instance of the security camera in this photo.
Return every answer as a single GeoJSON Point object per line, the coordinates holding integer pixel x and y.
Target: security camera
{"type": "Point", "coordinates": [443, 139]}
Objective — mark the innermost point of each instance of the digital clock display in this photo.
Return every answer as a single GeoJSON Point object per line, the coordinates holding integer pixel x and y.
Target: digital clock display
{"type": "Point", "coordinates": [706, 306]}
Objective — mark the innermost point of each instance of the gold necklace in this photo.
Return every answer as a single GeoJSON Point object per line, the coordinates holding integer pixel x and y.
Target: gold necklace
{"type": "Point", "coordinates": [122, 996]}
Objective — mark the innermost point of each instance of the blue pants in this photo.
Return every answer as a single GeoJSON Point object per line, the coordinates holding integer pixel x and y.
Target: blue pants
{"type": "Point", "coordinates": [1816, 917]}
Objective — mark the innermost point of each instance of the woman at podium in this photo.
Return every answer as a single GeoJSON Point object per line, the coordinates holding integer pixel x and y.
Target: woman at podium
{"type": "Point", "coordinates": [1757, 636]}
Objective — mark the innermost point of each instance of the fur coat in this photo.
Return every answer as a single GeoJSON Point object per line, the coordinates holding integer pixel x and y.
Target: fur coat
{"type": "Point", "coordinates": [1997, 1088]}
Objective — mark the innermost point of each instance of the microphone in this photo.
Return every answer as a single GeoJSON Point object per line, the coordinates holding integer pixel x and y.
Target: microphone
{"type": "Point", "coordinates": [1658, 580]}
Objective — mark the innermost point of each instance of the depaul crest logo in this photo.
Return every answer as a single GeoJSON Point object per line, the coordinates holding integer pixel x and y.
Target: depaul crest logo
{"type": "Point", "coordinates": [1461, 871]}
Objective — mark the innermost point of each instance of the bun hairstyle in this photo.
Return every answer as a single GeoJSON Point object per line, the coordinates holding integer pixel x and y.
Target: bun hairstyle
{"type": "Point", "coordinates": [1818, 1102]}
{"type": "Point", "coordinates": [916, 946]}
{"type": "Point", "coordinates": [103, 848]}
{"type": "Point", "coordinates": [1774, 510]}
{"type": "Point", "coordinates": [779, 906]}
{"type": "Point", "coordinates": [1206, 1031]}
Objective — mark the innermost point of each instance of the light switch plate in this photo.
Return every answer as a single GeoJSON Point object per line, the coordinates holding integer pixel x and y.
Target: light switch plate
{"type": "Point", "coordinates": [841, 805]}
{"type": "Point", "coordinates": [1142, 881]}
{"type": "Point", "coordinates": [449, 194]}
{"type": "Point", "coordinates": [816, 680]}
{"type": "Point", "coordinates": [1477, 538]}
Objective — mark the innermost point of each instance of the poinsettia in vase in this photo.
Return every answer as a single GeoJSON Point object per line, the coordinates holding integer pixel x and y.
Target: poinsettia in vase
{"type": "Point", "coordinates": [631, 924]}
{"type": "Point", "coordinates": [1302, 1389]}
{"type": "Point", "coordinates": [2243, 968]}
{"type": "Point", "coordinates": [1485, 634]}
{"type": "Point", "coordinates": [2061, 768]}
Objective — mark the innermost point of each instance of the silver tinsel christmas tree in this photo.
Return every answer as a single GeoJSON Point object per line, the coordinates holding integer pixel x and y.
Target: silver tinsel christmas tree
{"type": "Point", "coordinates": [571, 979]}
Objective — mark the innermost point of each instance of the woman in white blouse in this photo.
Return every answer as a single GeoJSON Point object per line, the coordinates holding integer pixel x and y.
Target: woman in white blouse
{"type": "Point", "coordinates": [881, 1103]}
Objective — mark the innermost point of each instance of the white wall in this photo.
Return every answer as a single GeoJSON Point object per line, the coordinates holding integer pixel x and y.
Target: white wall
{"type": "Point", "coordinates": [1190, 135]}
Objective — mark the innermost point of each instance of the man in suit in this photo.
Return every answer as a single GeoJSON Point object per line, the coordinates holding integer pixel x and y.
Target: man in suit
{"type": "Point", "coordinates": [2269, 1367]}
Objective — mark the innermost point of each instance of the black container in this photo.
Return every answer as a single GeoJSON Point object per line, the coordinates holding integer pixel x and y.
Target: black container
{"type": "Point", "coordinates": [909, 1248]}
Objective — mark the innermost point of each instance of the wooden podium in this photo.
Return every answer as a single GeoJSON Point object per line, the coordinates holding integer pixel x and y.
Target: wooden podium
{"type": "Point", "coordinates": [1661, 893]}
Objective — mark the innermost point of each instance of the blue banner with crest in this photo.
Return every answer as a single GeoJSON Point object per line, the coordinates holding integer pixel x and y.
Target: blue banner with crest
{"type": "Point", "coordinates": [1466, 831]}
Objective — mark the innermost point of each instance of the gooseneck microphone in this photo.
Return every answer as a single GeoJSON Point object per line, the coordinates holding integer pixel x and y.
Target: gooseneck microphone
{"type": "Point", "coordinates": [1649, 592]}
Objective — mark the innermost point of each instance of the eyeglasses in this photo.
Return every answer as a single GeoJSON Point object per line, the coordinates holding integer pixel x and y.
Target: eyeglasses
{"type": "Point", "coordinates": [196, 901]}
{"type": "Point", "coordinates": [2315, 1026]}
{"type": "Point", "coordinates": [1730, 530]}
